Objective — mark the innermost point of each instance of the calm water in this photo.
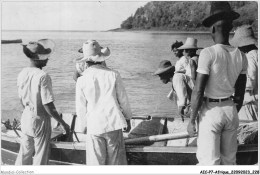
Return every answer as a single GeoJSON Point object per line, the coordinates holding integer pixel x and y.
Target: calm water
{"type": "Point", "coordinates": [135, 55]}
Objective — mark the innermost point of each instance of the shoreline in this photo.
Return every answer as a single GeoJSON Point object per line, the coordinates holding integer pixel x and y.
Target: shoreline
{"type": "Point", "coordinates": [157, 31]}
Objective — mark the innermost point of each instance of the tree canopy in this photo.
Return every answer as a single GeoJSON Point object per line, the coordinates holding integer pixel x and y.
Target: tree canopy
{"type": "Point", "coordinates": [185, 15]}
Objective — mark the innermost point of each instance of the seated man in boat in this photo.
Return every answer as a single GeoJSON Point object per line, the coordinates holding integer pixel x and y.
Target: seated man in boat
{"type": "Point", "coordinates": [36, 96]}
{"type": "Point", "coordinates": [221, 74]}
{"type": "Point", "coordinates": [180, 85]}
{"type": "Point", "coordinates": [102, 100]}
{"type": "Point", "coordinates": [245, 40]}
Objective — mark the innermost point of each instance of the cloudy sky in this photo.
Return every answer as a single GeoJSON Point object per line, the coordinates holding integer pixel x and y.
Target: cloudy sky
{"type": "Point", "coordinates": [95, 15]}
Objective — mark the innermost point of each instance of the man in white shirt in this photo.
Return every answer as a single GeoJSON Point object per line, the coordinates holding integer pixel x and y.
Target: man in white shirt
{"type": "Point", "coordinates": [180, 86]}
{"type": "Point", "coordinates": [36, 96]}
{"type": "Point", "coordinates": [102, 106]}
{"type": "Point", "coordinates": [221, 74]}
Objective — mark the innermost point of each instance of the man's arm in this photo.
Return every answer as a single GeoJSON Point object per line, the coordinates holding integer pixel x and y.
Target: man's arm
{"type": "Point", "coordinates": [196, 101]}
{"type": "Point", "coordinates": [193, 70]}
{"type": "Point", "coordinates": [81, 107]}
{"type": "Point", "coordinates": [51, 110]}
{"type": "Point", "coordinates": [123, 102]}
{"type": "Point", "coordinates": [240, 87]}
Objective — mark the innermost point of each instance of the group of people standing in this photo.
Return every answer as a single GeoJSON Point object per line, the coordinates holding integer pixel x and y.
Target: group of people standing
{"type": "Point", "coordinates": [218, 83]}
{"type": "Point", "coordinates": [212, 86]}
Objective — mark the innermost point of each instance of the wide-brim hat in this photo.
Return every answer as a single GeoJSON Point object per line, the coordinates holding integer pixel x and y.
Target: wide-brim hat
{"type": "Point", "coordinates": [190, 43]}
{"type": "Point", "coordinates": [40, 50]}
{"type": "Point", "coordinates": [220, 10]}
{"type": "Point", "coordinates": [92, 51]}
{"type": "Point", "coordinates": [163, 67]}
{"type": "Point", "coordinates": [244, 36]}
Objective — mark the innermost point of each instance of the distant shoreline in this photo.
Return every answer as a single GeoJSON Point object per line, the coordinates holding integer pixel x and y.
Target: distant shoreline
{"type": "Point", "coordinates": [122, 30]}
{"type": "Point", "coordinates": [113, 30]}
{"type": "Point", "coordinates": [156, 31]}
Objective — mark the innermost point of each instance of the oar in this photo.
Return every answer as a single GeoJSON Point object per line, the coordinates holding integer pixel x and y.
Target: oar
{"type": "Point", "coordinates": [146, 117]}
{"type": "Point", "coordinates": [149, 117]}
{"type": "Point", "coordinates": [157, 138]}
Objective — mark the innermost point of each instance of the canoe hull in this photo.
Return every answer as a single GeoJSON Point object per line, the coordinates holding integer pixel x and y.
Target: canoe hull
{"type": "Point", "coordinates": [61, 154]}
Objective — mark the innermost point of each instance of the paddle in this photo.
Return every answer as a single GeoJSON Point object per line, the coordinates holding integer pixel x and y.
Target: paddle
{"type": "Point", "coordinates": [157, 138]}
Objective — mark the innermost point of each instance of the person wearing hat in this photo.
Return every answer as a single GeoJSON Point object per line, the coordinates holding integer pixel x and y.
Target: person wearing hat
{"type": "Point", "coordinates": [36, 96]}
{"type": "Point", "coordinates": [102, 101]}
{"type": "Point", "coordinates": [81, 66]}
{"type": "Point", "coordinates": [182, 62]}
{"type": "Point", "coordinates": [245, 40]}
{"type": "Point", "coordinates": [189, 51]}
{"type": "Point", "coordinates": [221, 74]}
{"type": "Point", "coordinates": [174, 49]}
{"type": "Point", "coordinates": [180, 86]}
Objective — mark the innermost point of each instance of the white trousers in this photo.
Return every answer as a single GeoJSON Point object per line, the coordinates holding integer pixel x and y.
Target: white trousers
{"type": "Point", "coordinates": [106, 149]}
{"type": "Point", "coordinates": [35, 139]}
{"type": "Point", "coordinates": [217, 138]}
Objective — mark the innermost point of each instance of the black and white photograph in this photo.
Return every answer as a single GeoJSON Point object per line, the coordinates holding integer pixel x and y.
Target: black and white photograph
{"type": "Point", "coordinates": [148, 87]}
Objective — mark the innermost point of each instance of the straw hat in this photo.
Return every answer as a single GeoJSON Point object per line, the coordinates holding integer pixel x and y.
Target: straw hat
{"type": "Point", "coordinates": [220, 10]}
{"type": "Point", "coordinates": [40, 50]}
{"type": "Point", "coordinates": [244, 35]}
{"type": "Point", "coordinates": [93, 52]}
{"type": "Point", "coordinates": [190, 43]}
{"type": "Point", "coordinates": [164, 66]}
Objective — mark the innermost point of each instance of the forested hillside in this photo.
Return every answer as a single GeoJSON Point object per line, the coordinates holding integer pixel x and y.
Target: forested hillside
{"type": "Point", "coordinates": [185, 15]}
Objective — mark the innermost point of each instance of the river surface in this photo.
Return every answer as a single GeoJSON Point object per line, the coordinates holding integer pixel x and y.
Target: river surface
{"type": "Point", "coordinates": [136, 55]}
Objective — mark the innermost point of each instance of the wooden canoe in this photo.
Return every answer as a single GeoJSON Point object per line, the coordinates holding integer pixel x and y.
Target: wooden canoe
{"type": "Point", "coordinates": [156, 148]}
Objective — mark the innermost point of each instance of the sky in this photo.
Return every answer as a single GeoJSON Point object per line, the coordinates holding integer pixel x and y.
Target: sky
{"type": "Point", "coordinates": [58, 15]}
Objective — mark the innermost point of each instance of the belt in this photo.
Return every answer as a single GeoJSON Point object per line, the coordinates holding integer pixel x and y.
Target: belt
{"type": "Point", "coordinates": [218, 100]}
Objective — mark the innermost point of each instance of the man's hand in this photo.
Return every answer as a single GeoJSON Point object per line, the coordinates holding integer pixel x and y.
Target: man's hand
{"type": "Point", "coordinates": [248, 98]}
{"type": "Point", "coordinates": [66, 128]}
{"type": "Point", "coordinates": [181, 112]}
{"type": "Point", "coordinates": [128, 128]}
{"type": "Point", "coordinates": [191, 128]}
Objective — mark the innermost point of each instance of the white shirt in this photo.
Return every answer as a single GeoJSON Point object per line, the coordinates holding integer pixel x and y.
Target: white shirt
{"type": "Point", "coordinates": [101, 100]}
{"type": "Point", "coordinates": [252, 71]}
{"type": "Point", "coordinates": [223, 64]}
{"type": "Point", "coordinates": [181, 64]}
{"type": "Point", "coordinates": [182, 87]}
{"type": "Point", "coordinates": [35, 89]}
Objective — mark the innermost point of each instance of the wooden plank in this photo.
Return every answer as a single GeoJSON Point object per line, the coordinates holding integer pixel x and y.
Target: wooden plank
{"type": "Point", "coordinates": [69, 145]}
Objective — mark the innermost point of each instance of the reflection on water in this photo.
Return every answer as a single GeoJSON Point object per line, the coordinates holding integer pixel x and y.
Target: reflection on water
{"type": "Point", "coordinates": [135, 55]}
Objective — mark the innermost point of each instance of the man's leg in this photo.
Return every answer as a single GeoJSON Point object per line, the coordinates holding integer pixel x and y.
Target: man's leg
{"type": "Point", "coordinates": [42, 145]}
{"type": "Point", "coordinates": [96, 153]}
{"type": "Point", "coordinates": [26, 151]}
{"type": "Point", "coordinates": [116, 148]}
{"type": "Point", "coordinates": [228, 147]}
{"type": "Point", "coordinates": [208, 152]}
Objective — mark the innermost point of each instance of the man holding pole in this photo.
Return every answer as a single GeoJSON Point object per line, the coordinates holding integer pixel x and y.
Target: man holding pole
{"type": "Point", "coordinates": [221, 74]}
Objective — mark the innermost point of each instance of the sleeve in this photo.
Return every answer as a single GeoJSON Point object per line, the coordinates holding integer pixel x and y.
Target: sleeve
{"type": "Point", "coordinates": [46, 89]}
{"type": "Point", "coordinates": [18, 85]}
{"type": "Point", "coordinates": [122, 98]}
{"type": "Point", "coordinates": [251, 72]}
{"type": "Point", "coordinates": [204, 62]}
{"type": "Point", "coordinates": [81, 102]}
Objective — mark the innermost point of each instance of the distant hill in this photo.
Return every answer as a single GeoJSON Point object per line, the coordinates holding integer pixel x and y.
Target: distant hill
{"type": "Point", "coordinates": [185, 15]}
